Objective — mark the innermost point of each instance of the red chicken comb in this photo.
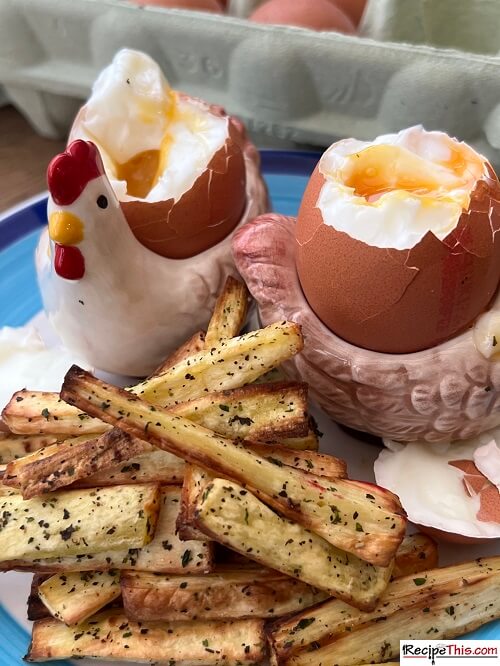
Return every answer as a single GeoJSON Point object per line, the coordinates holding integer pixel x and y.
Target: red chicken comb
{"type": "Point", "coordinates": [68, 173]}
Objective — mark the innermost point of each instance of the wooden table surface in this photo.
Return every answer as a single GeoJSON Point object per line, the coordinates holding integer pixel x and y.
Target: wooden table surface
{"type": "Point", "coordinates": [23, 158]}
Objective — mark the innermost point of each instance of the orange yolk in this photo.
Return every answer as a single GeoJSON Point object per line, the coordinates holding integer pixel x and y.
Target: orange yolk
{"type": "Point", "coordinates": [384, 168]}
{"type": "Point", "coordinates": [139, 173]}
{"type": "Point", "coordinates": [142, 171]}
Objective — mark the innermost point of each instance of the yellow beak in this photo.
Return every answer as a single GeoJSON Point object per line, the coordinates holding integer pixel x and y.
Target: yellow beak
{"type": "Point", "coordinates": [65, 228]}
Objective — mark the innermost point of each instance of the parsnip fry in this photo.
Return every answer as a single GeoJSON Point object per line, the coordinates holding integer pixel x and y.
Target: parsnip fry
{"type": "Point", "coordinates": [74, 597]}
{"type": "Point", "coordinates": [438, 616]}
{"type": "Point", "coordinates": [253, 411]}
{"type": "Point", "coordinates": [196, 478]}
{"type": "Point", "coordinates": [229, 364]}
{"type": "Point", "coordinates": [210, 643]}
{"type": "Point", "coordinates": [263, 412]}
{"type": "Point", "coordinates": [13, 446]}
{"type": "Point", "coordinates": [36, 609]}
{"type": "Point", "coordinates": [224, 595]}
{"type": "Point", "coordinates": [368, 524]}
{"type": "Point", "coordinates": [308, 443]}
{"type": "Point", "coordinates": [152, 466]}
{"type": "Point", "coordinates": [164, 554]}
{"type": "Point", "coordinates": [417, 552]}
{"type": "Point", "coordinates": [78, 521]}
{"type": "Point", "coordinates": [229, 313]}
{"type": "Point", "coordinates": [316, 626]}
{"type": "Point", "coordinates": [192, 346]}
{"type": "Point", "coordinates": [234, 517]}
{"type": "Point", "coordinates": [43, 413]}
{"type": "Point", "coordinates": [62, 464]}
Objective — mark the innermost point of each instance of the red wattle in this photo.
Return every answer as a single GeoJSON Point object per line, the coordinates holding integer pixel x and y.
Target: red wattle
{"type": "Point", "coordinates": [69, 262]}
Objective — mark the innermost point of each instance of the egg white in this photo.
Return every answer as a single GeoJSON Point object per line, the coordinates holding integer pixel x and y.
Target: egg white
{"type": "Point", "coordinates": [432, 491]}
{"type": "Point", "coordinates": [25, 362]}
{"type": "Point", "coordinates": [133, 109]}
{"type": "Point", "coordinates": [399, 219]}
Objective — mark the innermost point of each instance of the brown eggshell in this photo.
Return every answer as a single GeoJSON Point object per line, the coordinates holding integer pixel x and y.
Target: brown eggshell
{"type": "Point", "coordinates": [400, 301]}
{"type": "Point", "coordinates": [313, 14]}
{"type": "Point", "coordinates": [204, 215]}
{"type": "Point", "coordinates": [197, 5]}
{"type": "Point", "coordinates": [451, 537]}
{"type": "Point", "coordinates": [352, 8]}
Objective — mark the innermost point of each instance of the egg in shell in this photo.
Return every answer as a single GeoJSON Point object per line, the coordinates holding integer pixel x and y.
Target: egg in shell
{"type": "Point", "coordinates": [196, 5]}
{"type": "Point", "coordinates": [397, 244]}
{"type": "Point", "coordinates": [451, 490]}
{"type": "Point", "coordinates": [175, 162]}
{"type": "Point", "coordinates": [313, 14]}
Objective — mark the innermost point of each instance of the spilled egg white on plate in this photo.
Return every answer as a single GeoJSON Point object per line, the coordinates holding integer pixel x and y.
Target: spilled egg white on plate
{"type": "Point", "coordinates": [449, 488]}
{"type": "Point", "coordinates": [397, 239]}
{"type": "Point", "coordinates": [26, 362]}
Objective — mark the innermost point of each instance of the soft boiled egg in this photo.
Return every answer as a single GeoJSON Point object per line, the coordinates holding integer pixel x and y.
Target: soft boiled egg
{"type": "Point", "coordinates": [175, 162]}
{"type": "Point", "coordinates": [448, 489]}
{"type": "Point", "coordinates": [397, 239]}
{"type": "Point", "coordinates": [26, 362]}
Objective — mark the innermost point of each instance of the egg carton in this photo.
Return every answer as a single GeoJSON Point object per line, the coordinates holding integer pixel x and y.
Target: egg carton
{"type": "Point", "coordinates": [290, 85]}
{"type": "Point", "coordinates": [465, 25]}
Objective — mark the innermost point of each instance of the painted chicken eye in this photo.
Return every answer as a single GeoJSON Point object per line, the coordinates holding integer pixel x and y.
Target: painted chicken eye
{"type": "Point", "coordinates": [102, 201]}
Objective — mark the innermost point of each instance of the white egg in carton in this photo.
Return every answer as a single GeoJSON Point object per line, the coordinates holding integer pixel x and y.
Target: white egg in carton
{"type": "Point", "coordinates": [289, 85]}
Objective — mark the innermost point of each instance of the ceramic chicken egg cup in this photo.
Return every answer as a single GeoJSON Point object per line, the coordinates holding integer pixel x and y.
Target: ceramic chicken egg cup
{"type": "Point", "coordinates": [113, 301]}
{"type": "Point", "coordinates": [450, 390]}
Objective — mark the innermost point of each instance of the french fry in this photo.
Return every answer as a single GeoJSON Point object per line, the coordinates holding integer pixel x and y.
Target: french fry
{"type": "Point", "coordinates": [223, 595]}
{"type": "Point", "coordinates": [44, 413]}
{"type": "Point", "coordinates": [417, 552]}
{"type": "Point", "coordinates": [195, 344]}
{"type": "Point", "coordinates": [368, 524]}
{"type": "Point", "coordinates": [229, 313]}
{"type": "Point", "coordinates": [13, 446]}
{"type": "Point", "coordinates": [164, 554]}
{"type": "Point", "coordinates": [36, 609]}
{"type": "Point", "coordinates": [74, 597]}
{"type": "Point", "coordinates": [196, 478]}
{"type": "Point", "coordinates": [201, 643]}
{"type": "Point", "coordinates": [234, 517]}
{"type": "Point", "coordinates": [62, 464]}
{"type": "Point", "coordinates": [229, 364]}
{"type": "Point", "coordinates": [315, 627]}
{"type": "Point", "coordinates": [438, 616]}
{"type": "Point", "coordinates": [78, 521]}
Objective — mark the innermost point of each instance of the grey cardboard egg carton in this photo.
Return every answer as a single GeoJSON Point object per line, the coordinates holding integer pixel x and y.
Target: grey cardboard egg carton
{"type": "Point", "coordinates": [290, 86]}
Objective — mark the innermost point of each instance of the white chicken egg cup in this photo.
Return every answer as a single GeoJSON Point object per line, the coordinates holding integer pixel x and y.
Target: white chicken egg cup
{"type": "Point", "coordinates": [449, 392]}
{"type": "Point", "coordinates": [131, 306]}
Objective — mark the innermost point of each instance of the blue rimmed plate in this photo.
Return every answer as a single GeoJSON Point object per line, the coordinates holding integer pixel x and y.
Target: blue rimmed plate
{"type": "Point", "coordinates": [287, 174]}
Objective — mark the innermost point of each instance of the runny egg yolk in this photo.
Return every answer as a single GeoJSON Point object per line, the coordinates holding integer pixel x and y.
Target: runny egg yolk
{"type": "Point", "coordinates": [383, 168]}
{"type": "Point", "coordinates": [142, 171]}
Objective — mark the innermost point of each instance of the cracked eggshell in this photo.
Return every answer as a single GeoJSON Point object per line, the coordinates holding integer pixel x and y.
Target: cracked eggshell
{"type": "Point", "coordinates": [400, 301]}
{"type": "Point", "coordinates": [206, 213]}
{"type": "Point", "coordinates": [442, 488]}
